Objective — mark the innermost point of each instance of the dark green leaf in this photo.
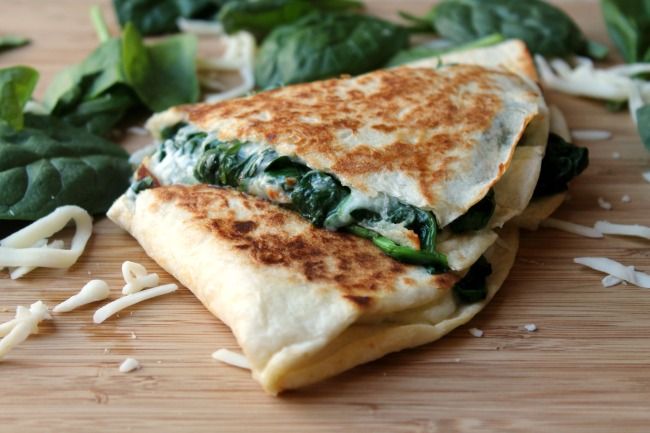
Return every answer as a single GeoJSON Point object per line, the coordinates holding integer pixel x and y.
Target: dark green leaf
{"type": "Point", "coordinates": [628, 24]}
{"type": "Point", "coordinates": [50, 163]}
{"type": "Point", "coordinates": [16, 86]}
{"type": "Point", "coordinates": [545, 28]}
{"type": "Point", "coordinates": [563, 161]}
{"type": "Point", "coordinates": [417, 53]}
{"type": "Point", "coordinates": [616, 106]}
{"type": "Point", "coordinates": [473, 286]}
{"type": "Point", "coordinates": [262, 16]}
{"type": "Point", "coordinates": [10, 42]}
{"type": "Point", "coordinates": [164, 74]}
{"type": "Point", "coordinates": [477, 217]}
{"type": "Point", "coordinates": [316, 194]}
{"type": "Point", "coordinates": [323, 45]}
{"type": "Point", "coordinates": [152, 17]}
{"type": "Point", "coordinates": [643, 119]}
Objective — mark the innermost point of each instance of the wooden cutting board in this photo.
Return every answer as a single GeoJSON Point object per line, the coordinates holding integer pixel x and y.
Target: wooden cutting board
{"type": "Point", "coordinates": [586, 369]}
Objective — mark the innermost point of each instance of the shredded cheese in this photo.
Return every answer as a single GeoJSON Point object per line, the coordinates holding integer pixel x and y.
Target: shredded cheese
{"type": "Point", "coordinates": [608, 228]}
{"type": "Point", "coordinates": [611, 267]}
{"type": "Point", "coordinates": [93, 291]}
{"type": "Point", "coordinates": [21, 271]}
{"type": "Point", "coordinates": [26, 323]}
{"type": "Point", "coordinates": [590, 134]}
{"type": "Point", "coordinates": [231, 358]}
{"type": "Point", "coordinates": [129, 365]}
{"type": "Point", "coordinates": [475, 332]}
{"type": "Point", "coordinates": [610, 280]}
{"type": "Point", "coordinates": [626, 199]}
{"type": "Point", "coordinates": [15, 249]}
{"type": "Point", "coordinates": [126, 301]}
{"type": "Point", "coordinates": [571, 228]}
{"type": "Point", "coordinates": [136, 278]}
{"type": "Point", "coordinates": [604, 204]}
{"type": "Point", "coordinates": [530, 327]}
{"type": "Point", "coordinates": [616, 155]}
{"type": "Point", "coordinates": [646, 175]}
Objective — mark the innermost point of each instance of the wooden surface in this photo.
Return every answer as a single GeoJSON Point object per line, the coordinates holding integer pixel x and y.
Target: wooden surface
{"type": "Point", "coordinates": [587, 368]}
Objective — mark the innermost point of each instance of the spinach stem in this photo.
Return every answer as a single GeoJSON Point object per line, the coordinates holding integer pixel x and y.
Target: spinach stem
{"type": "Point", "coordinates": [99, 23]}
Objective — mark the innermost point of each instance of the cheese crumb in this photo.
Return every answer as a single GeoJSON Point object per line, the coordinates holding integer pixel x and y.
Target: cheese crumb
{"type": "Point", "coordinates": [26, 323]}
{"type": "Point", "coordinates": [646, 176]}
{"type": "Point", "coordinates": [232, 358]}
{"type": "Point", "coordinates": [93, 291]}
{"type": "Point", "coordinates": [133, 336]}
{"type": "Point", "coordinates": [530, 327]}
{"type": "Point", "coordinates": [604, 204]}
{"type": "Point", "coordinates": [128, 365]}
{"type": "Point", "coordinates": [626, 199]}
{"type": "Point", "coordinates": [476, 332]}
{"type": "Point", "coordinates": [616, 155]}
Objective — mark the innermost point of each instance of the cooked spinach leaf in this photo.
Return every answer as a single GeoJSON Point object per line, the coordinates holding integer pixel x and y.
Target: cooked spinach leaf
{"type": "Point", "coordinates": [322, 45]}
{"type": "Point", "coordinates": [628, 24]}
{"type": "Point", "coordinates": [643, 124]}
{"type": "Point", "coordinates": [16, 86]}
{"type": "Point", "coordinates": [50, 163]}
{"type": "Point", "coordinates": [164, 74]}
{"type": "Point", "coordinates": [546, 29]}
{"type": "Point", "coordinates": [315, 195]}
{"type": "Point", "coordinates": [563, 161]}
{"type": "Point", "coordinates": [477, 217]}
{"type": "Point", "coordinates": [262, 16]}
{"type": "Point", "coordinates": [10, 42]}
{"type": "Point", "coordinates": [153, 17]}
{"type": "Point", "coordinates": [418, 53]}
{"type": "Point", "coordinates": [473, 286]}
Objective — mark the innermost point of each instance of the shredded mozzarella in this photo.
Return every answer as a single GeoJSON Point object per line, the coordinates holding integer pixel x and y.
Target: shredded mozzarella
{"type": "Point", "coordinates": [231, 358]}
{"type": "Point", "coordinates": [126, 301]}
{"type": "Point", "coordinates": [26, 323]}
{"type": "Point", "coordinates": [530, 327]}
{"type": "Point", "coordinates": [646, 175]}
{"type": "Point", "coordinates": [93, 291]}
{"type": "Point", "coordinates": [604, 204]}
{"type": "Point", "coordinates": [15, 249]}
{"type": "Point", "coordinates": [129, 365]}
{"type": "Point", "coordinates": [136, 278]}
{"type": "Point", "coordinates": [608, 228]}
{"type": "Point", "coordinates": [626, 199]}
{"type": "Point", "coordinates": [21, 271]}
{"type": "Point", "coordinates": [476, 332]}
{"type": "Point", "coordinates": [611, 267]}
{"type": "Point", "coordinates": [590, 134]}
{"type": "Point", "coordinates": [569, 227]}
{"type": "Point", "coordinates": [610, 280]}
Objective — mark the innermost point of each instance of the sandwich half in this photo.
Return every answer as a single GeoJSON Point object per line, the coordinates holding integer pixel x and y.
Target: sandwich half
{"type": "Point", "coordinates": [333, 222]}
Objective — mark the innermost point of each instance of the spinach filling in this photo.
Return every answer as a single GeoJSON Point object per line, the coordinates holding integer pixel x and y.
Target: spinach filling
{"type": "Point", "coordinates": [317, 196]}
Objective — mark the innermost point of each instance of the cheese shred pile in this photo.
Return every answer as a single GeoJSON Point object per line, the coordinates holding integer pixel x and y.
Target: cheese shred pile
{"type": "Point", "coordinates": [26, 323]}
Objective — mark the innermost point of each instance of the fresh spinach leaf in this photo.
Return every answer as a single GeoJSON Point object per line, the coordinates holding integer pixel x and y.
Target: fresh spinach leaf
{"type": "Point", "coordinates": [473, 286]}
{"type": "Point", "coordinates": [322, 45]}
{"type": "Point", "coordinates": [477, 217]}
{"type": "Point", "coordinates": [164, 74]}
{"type": "Point", "coordinates": [546, 29]}
{"type": "Point", "coordinates": [153, 17]}
{"type": "Point", "coordinates": [9, 42]}
{"type": "Point", "coordinates": [563, 161]}
{"type": "Point", "coordinates": [628, 24]}
{"type": "Point", "coordinates": [16, 86]}
{"type": "Point", "coordinates": [417, 53]}
{"type": "Point", "coordinates": [50, 163]}
{"type": "Point", "coordinates": [262, 16]}
{"type": "Point", "coordinates": [643, 124]}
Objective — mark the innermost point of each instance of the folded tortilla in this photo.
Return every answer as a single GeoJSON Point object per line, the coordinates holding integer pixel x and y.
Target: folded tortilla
{"type": "Point", "coordinates": [304, 303]}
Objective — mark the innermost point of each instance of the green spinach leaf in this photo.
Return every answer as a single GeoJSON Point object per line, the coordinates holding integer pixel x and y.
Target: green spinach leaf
{"type": "Point", "coordinates": [16, 86]}
{"type": "Point", "coordinates": [628, 24]}
{"type": "Point", "coordinates": [315, 195]}
{"type": "Point", "coordinates": [262, 16]}
{"type": "Point", "coordinates": [9, 42]}
{"type": "Point", "coordinates": [473, 286]}
{"type": "Point", "coordinates": [153, 17]}
{"type": "Point", "coordinates": [477, 217]}
{"type": "Point", "coordinates": [164, 74]}
{"type": "Point", "coordinates": [322, 45]}
{"type": "Point", "coordinates": [50, 163]}
{"type": "Point", "coordinates": [563, 161]}
{"type": "Point", "coordinates": [417, 53]}
{"type": "Point", "coordinates": [643, 122]}
{"type": "Point", "coordinates": [546, 29]}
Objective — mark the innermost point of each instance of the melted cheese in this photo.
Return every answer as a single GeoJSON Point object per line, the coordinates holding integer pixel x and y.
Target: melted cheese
{"type": "Point", "coordinates": [93, 291]}
{"type": "Point", "coordinates": [15, 249]}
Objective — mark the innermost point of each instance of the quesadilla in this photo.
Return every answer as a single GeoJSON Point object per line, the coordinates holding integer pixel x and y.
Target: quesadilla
{"type": "Point", "coordinates": [333, 222]}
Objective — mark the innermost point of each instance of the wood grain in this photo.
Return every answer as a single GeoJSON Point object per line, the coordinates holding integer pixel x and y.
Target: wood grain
{"type": "Point", "coordinates": [585, 370]}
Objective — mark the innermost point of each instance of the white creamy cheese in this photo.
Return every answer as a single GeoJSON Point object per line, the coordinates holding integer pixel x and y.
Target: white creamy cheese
{"type": "Point", "coordinates": [93, 291]}
{"type": "Point", "coordinates": [26, 323]}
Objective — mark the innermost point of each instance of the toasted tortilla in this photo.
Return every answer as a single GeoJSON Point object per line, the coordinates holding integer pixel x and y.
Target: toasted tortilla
{"type": "Point", "coordinates": [303, 303]}
{"type": "Point", "coordinates": [435, 138]}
